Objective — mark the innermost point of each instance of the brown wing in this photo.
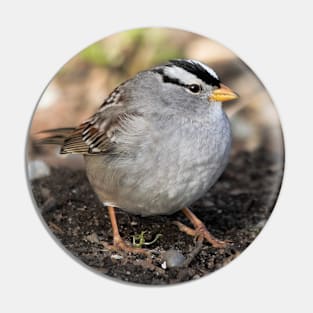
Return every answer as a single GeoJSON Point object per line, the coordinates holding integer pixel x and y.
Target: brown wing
{"type": "Point", "coordinates": [91, 137]}
{"type": "Point", "coordinates": [96, 135]}
{"type": "Point", "coordinates": [74, 142]}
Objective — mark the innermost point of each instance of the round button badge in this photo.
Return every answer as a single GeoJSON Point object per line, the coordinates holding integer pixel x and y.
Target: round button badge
{"type": "Point", "coordinates": [155, 156]}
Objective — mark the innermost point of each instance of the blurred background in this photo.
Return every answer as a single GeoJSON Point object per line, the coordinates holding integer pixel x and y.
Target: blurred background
{"type": "Point", "coordinates": [83, 83]}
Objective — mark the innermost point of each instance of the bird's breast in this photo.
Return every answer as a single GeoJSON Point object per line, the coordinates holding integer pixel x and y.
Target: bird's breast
{"type": "Point", "coordinates": [166, 169]}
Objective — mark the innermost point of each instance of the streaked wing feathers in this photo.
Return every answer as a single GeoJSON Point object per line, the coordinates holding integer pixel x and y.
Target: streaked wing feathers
{"type": "Point", "coordinates": [96, 135]}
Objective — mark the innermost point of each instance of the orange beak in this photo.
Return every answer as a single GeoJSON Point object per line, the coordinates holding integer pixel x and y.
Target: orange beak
{"type": "Point", "coordinates": [223, 94]}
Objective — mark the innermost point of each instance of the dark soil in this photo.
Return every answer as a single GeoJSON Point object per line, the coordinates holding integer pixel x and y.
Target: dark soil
{"type": "Point", "coordinates": [235, 209]}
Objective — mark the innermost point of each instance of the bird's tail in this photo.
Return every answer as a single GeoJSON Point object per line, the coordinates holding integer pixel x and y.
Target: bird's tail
{"type": "Point", "coordinates": [54, 136]}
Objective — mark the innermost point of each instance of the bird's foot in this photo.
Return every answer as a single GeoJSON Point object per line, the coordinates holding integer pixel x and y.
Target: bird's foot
{"type": "Point", "coordinates": [119, 245]}
{"type": "Point", "coordinates": [200, 233]}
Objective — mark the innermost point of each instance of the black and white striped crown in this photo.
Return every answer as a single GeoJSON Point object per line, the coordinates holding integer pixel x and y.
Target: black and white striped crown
{"type": "Point", "coordinates": [196, 68]}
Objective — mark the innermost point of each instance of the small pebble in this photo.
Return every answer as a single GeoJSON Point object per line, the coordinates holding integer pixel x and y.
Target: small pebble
{"type": "Point", "coordinates": [93, 238]}
{"type": "Point", "coordinates": [116, 257]}
{"type": "Point", "coordinates": [173, 258]}
{"type": "Point", "coordinates": [38, 169]}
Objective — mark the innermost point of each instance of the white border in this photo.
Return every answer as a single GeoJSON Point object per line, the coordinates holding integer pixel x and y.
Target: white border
{"type": "Point", "coordinates": [274, 272]}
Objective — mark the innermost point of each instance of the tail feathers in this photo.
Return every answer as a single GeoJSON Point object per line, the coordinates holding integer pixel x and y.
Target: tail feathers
{"type": "Point", "coordinates": [65, 130]}
{"type": "Point", "coordinates": [55, 136]}
{"type": "Point", "coordinates": [70, 139]}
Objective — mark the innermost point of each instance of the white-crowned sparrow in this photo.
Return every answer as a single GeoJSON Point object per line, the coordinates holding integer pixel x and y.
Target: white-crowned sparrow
{"type": "Point", "coordinates": [157, 143]}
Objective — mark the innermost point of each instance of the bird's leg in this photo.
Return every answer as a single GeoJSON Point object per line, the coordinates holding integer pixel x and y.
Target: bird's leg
{"type": "Point", "coordinates": [118, 242]}
{"type": "Point", "coordinates": [200, 231]}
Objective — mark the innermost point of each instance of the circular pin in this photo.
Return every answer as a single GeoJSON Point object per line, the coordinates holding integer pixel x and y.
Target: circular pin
{"type": "Point", "coordinates": [155, 156]}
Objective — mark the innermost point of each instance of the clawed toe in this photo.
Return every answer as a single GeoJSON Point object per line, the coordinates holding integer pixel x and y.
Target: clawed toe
{"type": "Point", "coordinates": [120, 246]}
{"type": "Point", "coordinates": [200, 232]}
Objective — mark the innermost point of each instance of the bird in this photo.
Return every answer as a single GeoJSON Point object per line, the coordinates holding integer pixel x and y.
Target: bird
{"type": "Point", "coordinates": [158, 143]}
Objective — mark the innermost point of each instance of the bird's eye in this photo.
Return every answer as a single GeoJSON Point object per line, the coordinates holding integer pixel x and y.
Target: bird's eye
{"type": "Point", "coordinates": [194, 88]}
